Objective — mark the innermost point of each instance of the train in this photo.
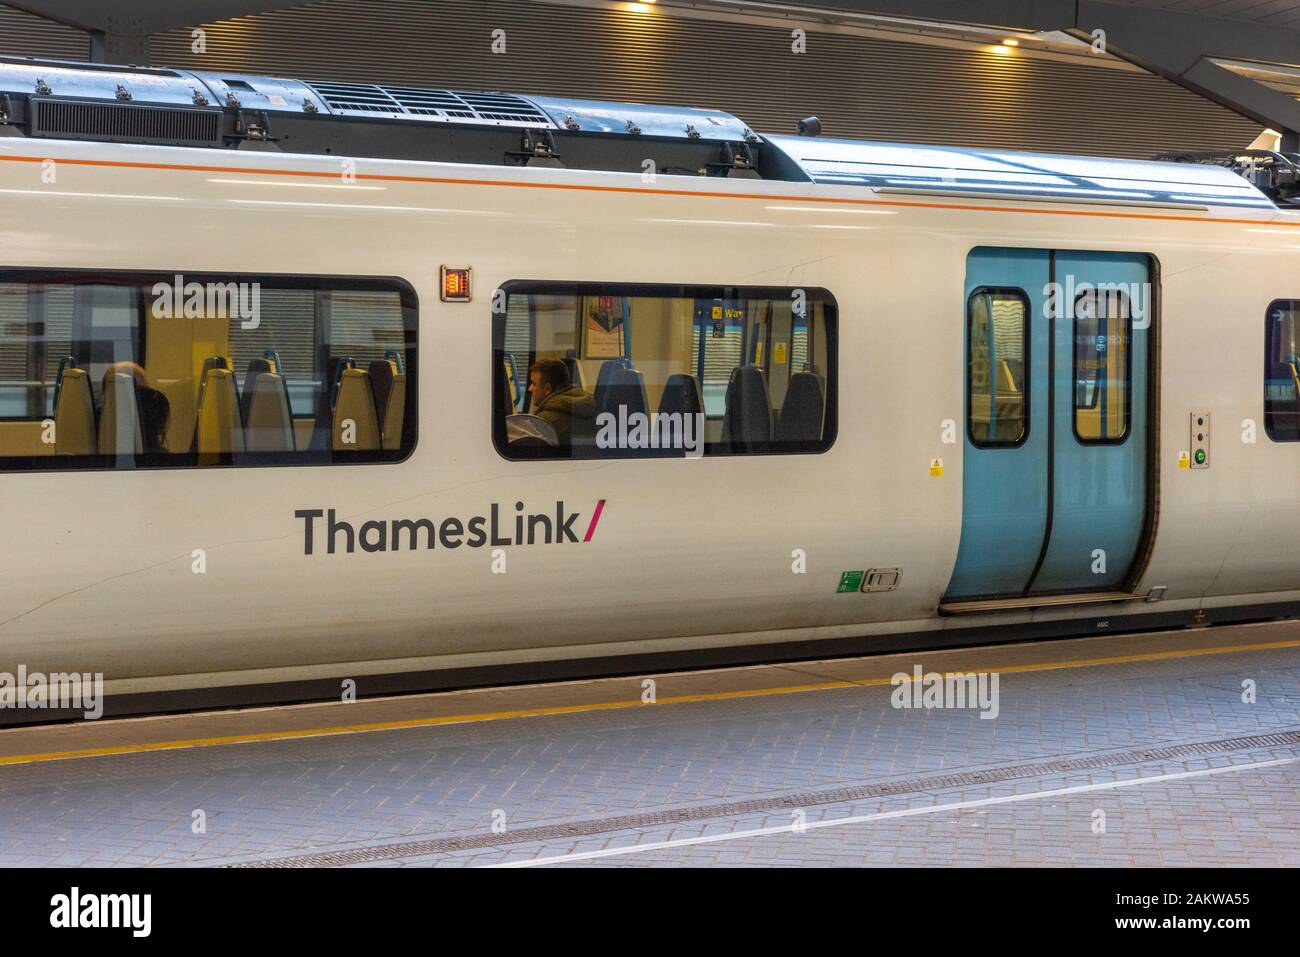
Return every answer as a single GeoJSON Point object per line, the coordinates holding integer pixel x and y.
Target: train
{"type": "Point", "coordinates": [311, 390]}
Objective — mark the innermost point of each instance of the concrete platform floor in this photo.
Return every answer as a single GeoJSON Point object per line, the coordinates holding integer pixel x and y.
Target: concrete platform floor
{"type": "Point", "coordinates": [1115, 750]}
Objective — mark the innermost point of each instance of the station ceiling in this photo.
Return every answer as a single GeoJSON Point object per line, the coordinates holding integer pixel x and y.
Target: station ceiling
{"type": "Point", "coordinates": [1274, 13]}
{"type": "Point", "coordinates": [896, 70]}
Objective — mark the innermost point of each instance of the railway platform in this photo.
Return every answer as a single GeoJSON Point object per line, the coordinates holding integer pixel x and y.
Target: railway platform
{"type": "Point", "coordinates": [1171, 748]}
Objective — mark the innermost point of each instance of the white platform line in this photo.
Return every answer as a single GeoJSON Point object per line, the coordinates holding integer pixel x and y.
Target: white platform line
{"type": "Point", "coordinates": [886, 815]}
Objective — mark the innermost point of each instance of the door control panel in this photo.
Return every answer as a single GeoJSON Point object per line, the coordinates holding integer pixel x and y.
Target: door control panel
{"type": "Point", "coordinates": [1200, 440]}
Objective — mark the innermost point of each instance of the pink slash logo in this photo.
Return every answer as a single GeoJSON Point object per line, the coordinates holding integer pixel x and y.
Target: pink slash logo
{"type": "Point", "coordinates": [591, 529]}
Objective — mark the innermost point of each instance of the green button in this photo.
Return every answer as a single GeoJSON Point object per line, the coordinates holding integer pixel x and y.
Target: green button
{"type": "Point", "coordinates": [1200, 456]}
{"type": "Point", "coordinates": [850, 581]}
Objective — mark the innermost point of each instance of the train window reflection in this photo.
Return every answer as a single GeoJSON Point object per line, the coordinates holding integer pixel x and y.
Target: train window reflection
{"type": "Point", "coordinates": [616, 371]}
{"type": "Point", "coordinates": [997, 342]}
{"type": "Point", "coordinates": [1103, 326]}
{"type": "Point", "coordinates": [1282, 371]}
{"type": "Point", "coordinates": [130, 370]}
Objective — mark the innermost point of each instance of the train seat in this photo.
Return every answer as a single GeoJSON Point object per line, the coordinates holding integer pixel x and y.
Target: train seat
{"type": "Point", "coordinates": [607, 369]}
{"type": "Point", "coordinates": [575, 369]}
{"type": "Point", "coordinates": [507, 389]}
{"type": "Point", "coordinates": [801, 412]}
{"type": "Point", "coordinates": [324, 415]}
{"type": "Point", "coordinates": [747, 421]}
{"type": "Point", "coordinates": [268, 425]}
{"type": "Point", "coordinates": [389, 387]}
{"type": "Point", "coordinates": [74, 414]}
{"type": "Point", "coordinates": [256, 367]}
{"type": "Point", "coordinates": [119, 421]}
{"type": "Point", "coordinates": [355, 404]}
{"type": "Point", "coordinates": [217, 423]}
{"type": "Point", "coordinates": [512, 395]}
{"type": "Point", "coordinates": [681, 395]}
{"type": "Point", "coordinates": [626, 388]}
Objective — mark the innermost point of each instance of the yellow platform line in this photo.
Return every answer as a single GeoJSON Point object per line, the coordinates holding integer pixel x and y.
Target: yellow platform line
{"type": "Point", "coordinates": [291, 734]}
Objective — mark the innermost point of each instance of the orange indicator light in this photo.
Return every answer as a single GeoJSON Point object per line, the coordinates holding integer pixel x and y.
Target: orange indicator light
{"type": "Point", "coordinates": [455, 284]}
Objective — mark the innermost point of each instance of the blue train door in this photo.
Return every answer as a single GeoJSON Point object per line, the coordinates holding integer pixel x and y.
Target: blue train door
{"type": "Point", "coordinates": [1056, 414]}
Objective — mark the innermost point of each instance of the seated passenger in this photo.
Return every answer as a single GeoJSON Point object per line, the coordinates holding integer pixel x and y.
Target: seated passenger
{"type": "Point", "coordinates": [567, 408]}
{"type": "Point", "coordinates": [155, 416]}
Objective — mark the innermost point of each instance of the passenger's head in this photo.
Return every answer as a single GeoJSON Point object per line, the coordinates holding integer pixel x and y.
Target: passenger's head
{"type": "Point", "coordinates": [545, 377]}
{"type": "Point", "coordinates": [155, 416]}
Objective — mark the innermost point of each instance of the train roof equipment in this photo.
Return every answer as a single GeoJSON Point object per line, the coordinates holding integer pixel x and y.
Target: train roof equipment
{"type": "Point", "coordinates": [218, 110]}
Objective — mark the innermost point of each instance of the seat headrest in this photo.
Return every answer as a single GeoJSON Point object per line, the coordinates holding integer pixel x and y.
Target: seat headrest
{"type": "Point", "coordinates": [747, 422]}
{"type": "Point", "coordinates": [74, 414]}
{"type": "Point", "coordinates": [626, 388]}
{"type": "Point", "coordinates": [681, 394]}
{"type": "Point", "coordinates": [801, 413]}
{"type": "Point", "coordinates": [607, 369]}
{"type": "Point", "coordinates": [119, 422]}
{"type": "Point", "coordinates": [382, 372]}
{"type": "Point", "coordinates": [268, 425]}
{"type": "Point", "coordinates": [506, 389]}
{"type": "Point", "coordinates": [575, 371]}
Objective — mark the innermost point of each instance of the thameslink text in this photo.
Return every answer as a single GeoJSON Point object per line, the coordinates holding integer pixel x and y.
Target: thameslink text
{"type": "Point", "coordinates": [493, 529]}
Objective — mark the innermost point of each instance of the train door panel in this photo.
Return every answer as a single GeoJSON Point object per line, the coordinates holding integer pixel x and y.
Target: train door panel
{"type": "Point", "coordinates": [1099, 460]}
{"type": "Point", "coordinates": [1004, 497]}
{"type": "Point", "coordinates": [1057, 417]}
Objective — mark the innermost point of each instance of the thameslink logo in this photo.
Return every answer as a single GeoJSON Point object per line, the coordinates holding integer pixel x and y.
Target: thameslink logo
{"type": "Point", "coordinates": [61, 690]}
{"type": "Point", "coordinates": [954, 689]}
{"type": "Point", "coordinates": [656, 430]}
{"type": "Point", "coordinates": [179, 299]}
{"type": "Point", "coordinates": [493, 529]}
{"type": "Point", "coordinates": [73, 910]}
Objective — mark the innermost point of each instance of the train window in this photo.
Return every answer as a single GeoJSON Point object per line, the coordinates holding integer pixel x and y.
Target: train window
{"type": "Point", "coordinates": [997, 412]}
{"type": "Point", "coordinates": [1103, 326]}
{"type": "Point", "coordinates": [145, 370]}
{"type": "Point", "coordinates": [588, 370]}
{"type": "Point", "coordinates": [1282, 371]}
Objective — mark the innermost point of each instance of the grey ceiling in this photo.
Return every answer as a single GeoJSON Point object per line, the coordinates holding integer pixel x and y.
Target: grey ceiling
{"type": "Point", "coordinates": [1282, 13]}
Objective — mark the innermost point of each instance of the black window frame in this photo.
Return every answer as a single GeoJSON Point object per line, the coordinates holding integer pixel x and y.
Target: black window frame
{"type": "Point", "coordinates": [633, 290]}
{"type": "Point", "coordinates": [309, 457]}
{"type": "Point", "coordinates": [1293, 306]}
{"type": "Point", "coordinates": [1025, 386]}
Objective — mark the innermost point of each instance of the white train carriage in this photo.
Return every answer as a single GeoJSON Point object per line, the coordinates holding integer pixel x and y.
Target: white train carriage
{"type": "Point", "coordinates": [265, 422]}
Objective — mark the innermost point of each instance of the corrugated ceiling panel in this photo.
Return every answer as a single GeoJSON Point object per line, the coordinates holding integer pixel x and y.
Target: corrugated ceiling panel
{"type": "Point", "coordinates": [22, 34]}
{"type": "Point", "coordinates": [859, 86]}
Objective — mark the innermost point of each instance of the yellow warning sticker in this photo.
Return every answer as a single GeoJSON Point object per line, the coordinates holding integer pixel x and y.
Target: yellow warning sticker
{"type": "Point", "coordinates": [1183, 461]}
{"type": "Point", "coordinates": [778, 353]}
{"type": "Point", "coordinates": [936, 468]}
